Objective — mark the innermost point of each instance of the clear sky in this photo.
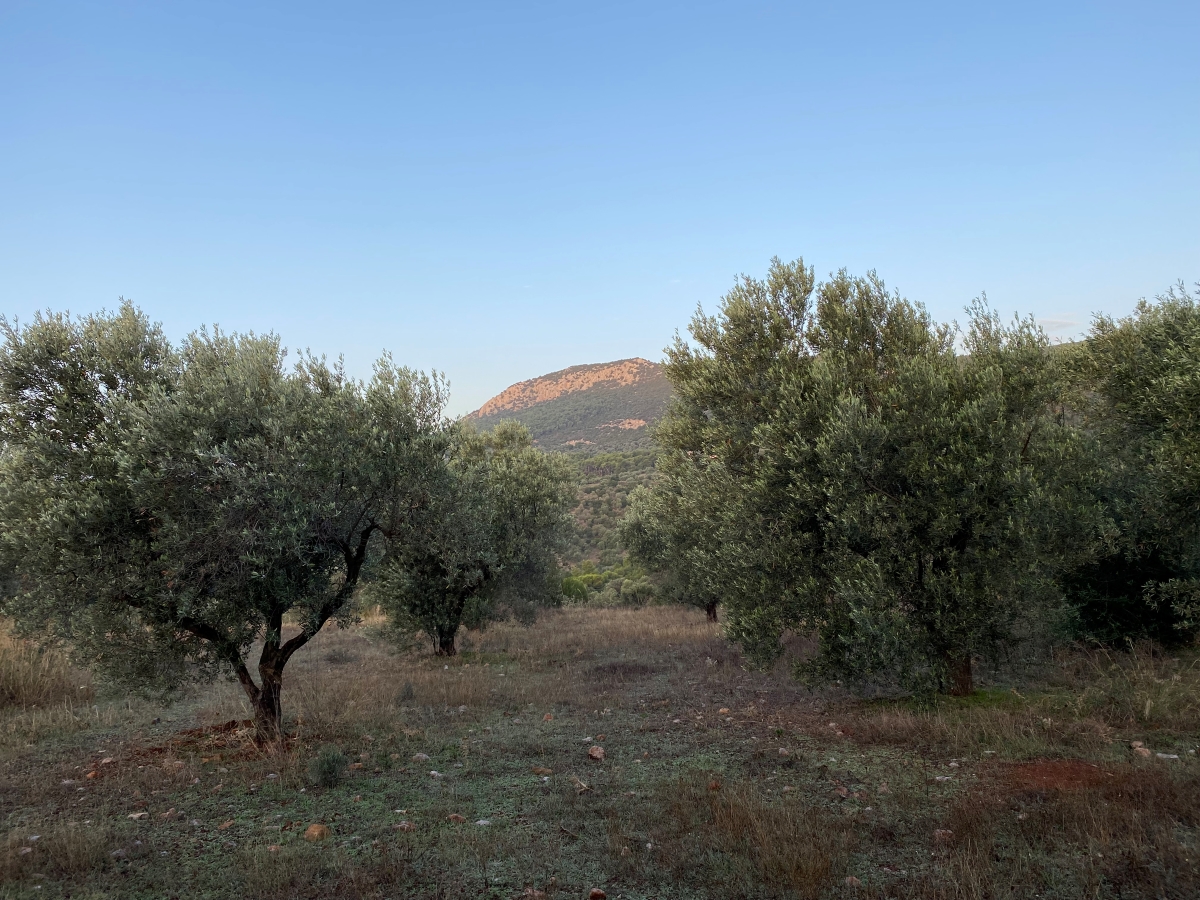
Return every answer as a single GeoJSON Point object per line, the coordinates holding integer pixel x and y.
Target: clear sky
{"type": "Point", "coordinates": [498, 190]}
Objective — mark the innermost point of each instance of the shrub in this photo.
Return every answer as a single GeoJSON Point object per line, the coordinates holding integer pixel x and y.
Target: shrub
{"type": "Point", "coordinates": [327, 769]}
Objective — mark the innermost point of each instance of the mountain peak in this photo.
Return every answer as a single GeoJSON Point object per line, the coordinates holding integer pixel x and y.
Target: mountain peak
{"type": "Point", "coordinates": [588, 408]}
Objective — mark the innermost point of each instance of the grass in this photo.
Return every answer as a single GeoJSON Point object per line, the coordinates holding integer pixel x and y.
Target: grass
{"type": "Point", "coordinates": [715, 782]}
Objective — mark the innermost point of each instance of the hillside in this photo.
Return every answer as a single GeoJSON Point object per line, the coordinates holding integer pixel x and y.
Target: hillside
{"type": "Point", "coordinates": [588, 409]}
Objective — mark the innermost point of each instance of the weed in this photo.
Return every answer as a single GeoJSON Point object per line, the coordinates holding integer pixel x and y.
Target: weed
{"type": "Point", "coordinates": [328, 767]}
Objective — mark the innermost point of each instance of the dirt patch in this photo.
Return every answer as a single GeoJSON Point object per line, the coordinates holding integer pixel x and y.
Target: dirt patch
{"type": "Point", "coordinates": [1052, 775]}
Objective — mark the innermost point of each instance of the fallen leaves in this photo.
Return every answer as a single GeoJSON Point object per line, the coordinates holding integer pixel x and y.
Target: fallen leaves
{"type": "Point", "coordinates": [225, 825]}
{"type": "Point", "coordinates": [581, 787]}
{"type": "Point", "coordinates": [541, 770]}
{"type": "Point", "coordinates": [456, 818]}
{"type": "Point", "coordinates": [597, 894]}
{"type": "Point", "coordinates": [596, 752]}
{"type": "Point", "coordinates": [404, 825]}
{"type": "Point", "coordinates": [547, 718]}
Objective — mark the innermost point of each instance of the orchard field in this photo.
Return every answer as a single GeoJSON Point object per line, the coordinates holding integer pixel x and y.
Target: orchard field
{"type": "Point", "coordinates": [1079, 780]}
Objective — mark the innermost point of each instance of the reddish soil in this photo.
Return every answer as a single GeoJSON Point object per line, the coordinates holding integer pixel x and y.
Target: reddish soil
{"type": "Point", "coordinates": [1052, 775]}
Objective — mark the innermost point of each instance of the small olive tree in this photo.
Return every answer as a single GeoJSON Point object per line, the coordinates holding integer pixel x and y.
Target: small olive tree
{"type": "Point", "coordinates": [487, 543]}
{"type": "Point", "coordinates": [164, 509]}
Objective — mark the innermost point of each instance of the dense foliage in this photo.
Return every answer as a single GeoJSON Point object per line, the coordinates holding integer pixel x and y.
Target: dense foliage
{"type": "Point", "coordinates": [487, 541]}
{"type": "Point", "coordinates": [832, 465]}
{"type": "Point", "coordinates": [1137, 386]}
{"type": "Point", "coordinates": [164, 509]}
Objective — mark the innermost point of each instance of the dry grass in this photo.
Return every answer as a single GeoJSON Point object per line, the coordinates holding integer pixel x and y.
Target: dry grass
{"type": "Point", "coordinates": [63, 851]}
{"type": "Point", "coordinates": [787, 848]}
{"type": "Point", "coordinates": [31, 678]}
{"type": "Point", "coordinates": [1143, 687]}
{"type": "Point", "coordinates": [1044, 798]}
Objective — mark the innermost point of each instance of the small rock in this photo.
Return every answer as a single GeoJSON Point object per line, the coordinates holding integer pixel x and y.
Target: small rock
{"type": "Point", "coordinates": [169, 814]}
{"type": "Point", "coordinates": [24, 850]}
{"type": "Point", "coordinates": [596, 752]}
{"type": "Point", "coordinates": [272, 777]}
{"type": "Point", "coordinates": [67, 781]}
{"type": "Point", "coordinates": [1167, 755]}
{"type": "Point", "coordinates": [434, 773]}
{"type": "Point", "coordinates": [456, 818]}
{"type": "Point", "coordinates": [420, 757]}
{"type": "Point", "coordinates": [316, 832]}
{"type": "Point", "coordinates": [484, 822]}
{"type": "Point", "coordinates": [597, 894]}
{"type": "Point", "coordinates": [783, 751]}
{"type": "Point", "coordinates": [853, 882]}
{"type": "Point", "coordinates": [785, 789]}
{"type": "Point", "coordinates": [942, 777]}
{"type": "Point", "coordinates": [953, 764]}
{"type": "Point", "coordinates": [107, 761]}
{"type": "Point", "coordinates": [119, 853]}
{"type": "Point", "coordinates": [884, 789]}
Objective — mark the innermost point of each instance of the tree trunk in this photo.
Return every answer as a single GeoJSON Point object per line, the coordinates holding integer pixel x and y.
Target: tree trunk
{"type": "Point", "coordinates": [958, 672]}
{"type": "Point", "coordinates": [268, 712]}
{"type": "Point", "coordinates": [445, 643]}
{"type": "Point", "coordinates": [710, 611]}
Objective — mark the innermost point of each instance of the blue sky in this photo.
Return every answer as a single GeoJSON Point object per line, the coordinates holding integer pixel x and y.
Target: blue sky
{"type": "Point", "coordinates": [500, 190]}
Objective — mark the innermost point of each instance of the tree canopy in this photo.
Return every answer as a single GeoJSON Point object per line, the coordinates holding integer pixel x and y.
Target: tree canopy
{"type": "Point", "coordinates": [162, 510]}
{"type": "Point", "coordinates": [487, 543]}
{"type": "Point", "coordinates": [832, 465]}
{"type": "Point", "coordinates": [1137, 392]}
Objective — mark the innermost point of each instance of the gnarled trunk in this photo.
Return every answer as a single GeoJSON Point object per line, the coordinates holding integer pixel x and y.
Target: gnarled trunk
{"type": "Point", "coordinates": [445, 643]}
{"type": "Point", "coordinates": [710, 611]}
{"type": "Point", "coordinates": [958, 674]}
{"type": "Point", "coordinates": [268, 710]}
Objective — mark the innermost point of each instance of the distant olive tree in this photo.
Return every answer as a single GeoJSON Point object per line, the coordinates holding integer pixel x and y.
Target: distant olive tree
{"type": "Point", "coordinates": [486, 545]}
{"type": "Point", "coordinates": [831, 465]}
{"type": "Point", "coordinates": [163, 509]}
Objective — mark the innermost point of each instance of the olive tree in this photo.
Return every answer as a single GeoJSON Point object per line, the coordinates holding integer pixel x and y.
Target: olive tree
{"type": "Point", "coordinates": [1138, 394]}
{"type": "Point", "coordinates": [831, 465]}
{"type": "Point", "coordinates": [487, 543]}
{"type": "Point", "coordinates": [162, 510]}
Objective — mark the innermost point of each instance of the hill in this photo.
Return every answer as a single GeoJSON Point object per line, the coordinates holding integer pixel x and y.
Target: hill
{"type": "Point", "coordinates": [598, 408]}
